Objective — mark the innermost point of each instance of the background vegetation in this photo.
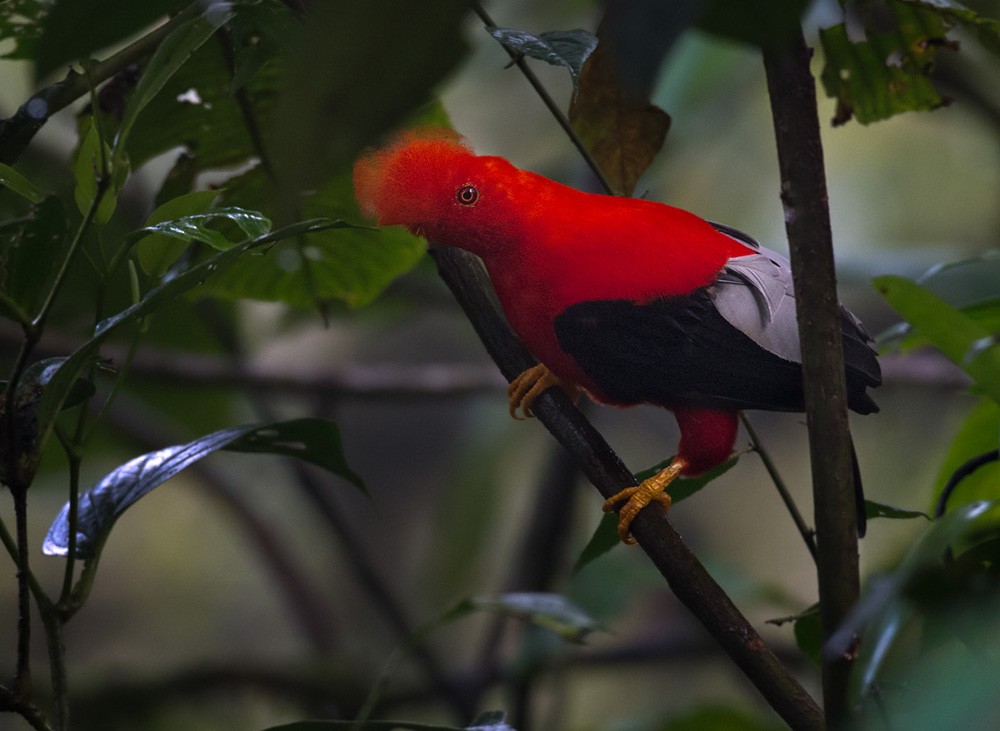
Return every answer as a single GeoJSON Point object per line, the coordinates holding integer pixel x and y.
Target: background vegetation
{"type": "Point", "coordinates": [183, 264]}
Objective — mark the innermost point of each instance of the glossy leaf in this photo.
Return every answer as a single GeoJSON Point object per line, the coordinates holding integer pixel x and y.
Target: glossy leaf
{"type": "Point", "coordinates": [196, 227]}
{"type": "Point", "coordinates": [622, 129]}
{"type": "Point", "coordinates": [63, 42]}
{"type": "Point", "coordinates": [313, 440]}
{"type": "Point", "coordinates": [888, 73]}
{"type": "Point", "coordinates": [553, 612]}
{"type": "Point", "coordinates": [567, 48]}
{"type": "Point", "coordinates": [16, 182]}
{"type": "Point", "coordinates": [955, 334]}
{"type": "Point", "coordinates": [154, 299]}
{"type": "Point", "coordinates": [158, 251]}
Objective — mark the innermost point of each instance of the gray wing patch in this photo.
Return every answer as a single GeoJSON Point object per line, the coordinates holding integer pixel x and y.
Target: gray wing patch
{"type": "Point", "coordinates": [754, 294]}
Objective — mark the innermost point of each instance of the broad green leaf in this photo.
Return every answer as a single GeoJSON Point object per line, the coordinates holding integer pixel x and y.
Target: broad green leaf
{"type": "Point", "coordinates": [884, 608]}
{"type": "Point", "coordinates": [314, 440]}
{"type": "Point", "coordinates": [605, 537]}
{"type": "Point", "coordinates": [61, 382]}
{"type": "Point", "coordinates": [351, 266]}
{"type": "Point", "coordinates": [36, 253]}
{"type": "Point", "coordinates": [886, 74]}
{"type": "Point", "coordinates": [952, 332]}
{"type": "Point", "coordinates": [622, 129]}
{"type": "Point", "coordinates": [173, 52]}
{"type": "Point", "coordinates": [157, 252]}
{"type": "Point", "coordinates": [21, 21]}
{"type": "Point", "coordinates": [979, 433]}
{"type": "Point", "coordinates": [568, 48]}
{"type": "Point", "coordinates": [553, 612]}
{"type": "Point", "coordinates": [359, 70]}
{"type": "Point", "coordinates": [75, 29]}
{"type": "Point", "coordinates": [764, 23]}
{"type": "Point", "coordinates": [15, 181]}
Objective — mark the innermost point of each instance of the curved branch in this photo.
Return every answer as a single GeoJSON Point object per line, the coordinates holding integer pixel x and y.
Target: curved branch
{"type": "Point", "coordinates": [688, 579]}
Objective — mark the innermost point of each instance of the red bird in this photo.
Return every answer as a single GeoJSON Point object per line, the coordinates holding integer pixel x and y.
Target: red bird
{"type": "Point", "coordinates": [630, 300]}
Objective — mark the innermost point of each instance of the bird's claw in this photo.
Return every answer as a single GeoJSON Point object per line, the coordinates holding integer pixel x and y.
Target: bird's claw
{"type": "Point", "coordinates": [531, 384]}
{"type": "Point", "coordinates": [639, 496]}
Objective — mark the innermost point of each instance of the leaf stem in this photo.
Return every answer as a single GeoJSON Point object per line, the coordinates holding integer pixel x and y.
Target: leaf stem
{"type": "Point", "coordinates": [807, 533]}
{"type": "Point", "coordinates": [543, 94]}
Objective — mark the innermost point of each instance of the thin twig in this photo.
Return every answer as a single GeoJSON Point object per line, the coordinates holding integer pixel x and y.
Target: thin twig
{"type": "Point", "coordinates": [543, 94]}
{"type": "Point", "coordinates": [805, 531]}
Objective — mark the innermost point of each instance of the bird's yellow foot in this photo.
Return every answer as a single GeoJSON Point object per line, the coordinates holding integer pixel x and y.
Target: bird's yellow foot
{"type": "Point", "coordinates": [639, 496]}
{"type": "Point", "coordinates": [528, 386]}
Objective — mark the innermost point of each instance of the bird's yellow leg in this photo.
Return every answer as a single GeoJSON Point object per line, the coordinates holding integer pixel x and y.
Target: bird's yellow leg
{"type": "Point", "coordinates": [639, 496]}
{"type": "Point", "coordinates": [528, 386]}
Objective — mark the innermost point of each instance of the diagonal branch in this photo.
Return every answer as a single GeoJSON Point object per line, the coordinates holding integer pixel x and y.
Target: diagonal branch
{"type": "Point", "coordinates": [688, 579]}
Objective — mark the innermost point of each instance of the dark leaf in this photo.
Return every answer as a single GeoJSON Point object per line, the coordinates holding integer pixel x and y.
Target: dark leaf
{"type": "Point", "coordinates": [311, 439]}
{"type": "Point", "coordinates": [358, 71]}
{"type": "Point", "coordinates": [15, 181]}
{"type": "Point", "coordinates": [35, 256]}
{"type": "Point", "coordinates": [717, 718]}
{"type": "Point", "coordinates": [764, 23]}
{"type": "Point", "coordinates": [21, 21]}
{"type": "Point", "coordinates": [622, 130]}
{"type": "Point", "coordinates": [367, 726]}
{"type": "Point", "coordinates": [605, 538]}
{"type": "Point", "coordinates": [63, 379]}
{"type": "Point", "coordinates": [569, 48]}
{"type": "Point", "coordinates": [809, 634]}
{"type": "Point", "coordinates": [158, 251]}
{"type": "Point", "coordinates": [106, 22]}
{"type": "Point", "coordinates": [880, 510]}
{"type": "Point", "coordinates": [978, 434]}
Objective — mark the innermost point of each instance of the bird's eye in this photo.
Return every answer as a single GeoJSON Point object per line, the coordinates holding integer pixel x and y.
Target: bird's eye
{"type": "Point", "coordinates": [467, 195]}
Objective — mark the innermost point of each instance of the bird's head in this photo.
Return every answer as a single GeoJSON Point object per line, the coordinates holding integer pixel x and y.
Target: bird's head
{"type": "Point", "coordinates": [430, 182]}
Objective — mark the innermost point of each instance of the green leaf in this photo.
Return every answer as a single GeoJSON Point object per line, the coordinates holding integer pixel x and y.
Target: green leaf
{"type": "Point", "coordinates": [568, 48]}
{"type": "Point", "coordinates": [90, 163]}
{"type": "Point", "coordinates": [35, 255]}
{"type": "Point", "coordinates": [157, 252]}
{"type": "Point", "coordinates": [21, 21]}
{"type": "Point", "coordinates": [196, 227]}
{"type": "Point", "coordinates": [351, 266]}
{"type": "Point", "coordinates": [358, 70]}
{"type": "Point", "coordinates": [880, 510]}
{"type": "Point", "coordinates": [987, 29]}
{"type": "Point", "coordinates": [553, 612]}
{"type": "Point", "coordinates": [374, 726]}
{"type": "Point", "coordinates": [808, 631]}
{"type": "Point", "coordinates": [887, 73]}
{"type": "Point", "coordinates": [605, 537]}
{"type": "Point", "coordinates": [978, 434]}
{"type": "Point", "coordinates": [764, 23]}
{"type": "Point", "coordinates": [166, 292]}
{"type": "Point", "coordinates": [952, 332]}
{"type": "Point", "coordinates": [171, 55]}
{"type": "Point", "coordinates": [884, 608]}
{"type": "Point", "coordinates": [75, 29]}
{"type": "Point", "coordinates": [313, 440]}
{"type": "Point", "coordinates": [13, 180]}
